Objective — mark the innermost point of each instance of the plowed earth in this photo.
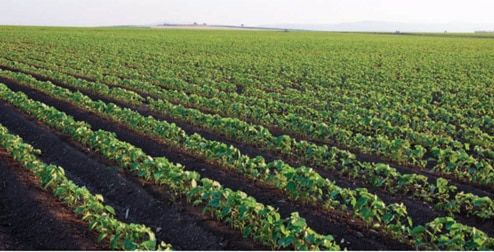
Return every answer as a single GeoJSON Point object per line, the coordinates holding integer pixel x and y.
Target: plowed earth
{"type": "Point", "coordinates": [31, 218]}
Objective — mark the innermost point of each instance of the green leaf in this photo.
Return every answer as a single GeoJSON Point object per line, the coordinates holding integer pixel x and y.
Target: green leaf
{"type": "Point", "coordinates": [473, 245]}
{"type": "Point", "coordinates": [299, 223]}
{"type": "Point", "coordinates": [367, 214]}
{"type": "Point", "coordinates": [79, 210]}
{"type": "Point", "coordinates": [102, 236]}
{"type": "Point", "coordinates": [361, 202]}
{"type": "Point", "coordinates": [130, 245]}
{"type": "Point", "coordinates": [418, 231]}
{"type": "Point", "coordinates": [214, 202]}
{"type": "Point", "coordinates": [388, 217]}
{"type": "Point", "coordinates": [110, 209]}
{"type": "Point", "coordinates": [247, 231]}
{"type": "Point", "coordinates": [135, 166]}
{"type": "Point", "coordinates": [291, 186]}
{"type": "Point", "coordinates": [93, 224]}
{"type": "Point", "coordinates": [285, 242]}
{"type": "Point", "coordinates": [441, 182]}
{"type": "Point", "coordinates": [436, 151]}
{"type": "Point", "coordinates": [225, 212]}
{"type": "Point", "coordinates": [114, 241]}
{"type": "Point", "coordinates": [481, 201]}
{"type": "Point", "coordinates": [148, 245]}
{"type": "Point", "coordinates": [310, 238]}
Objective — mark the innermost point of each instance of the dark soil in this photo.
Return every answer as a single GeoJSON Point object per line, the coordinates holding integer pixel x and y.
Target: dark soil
{"type": "Point", "coordinates": [31, 218]}
{"type": "Point", "coordinates": [172, 222]}
{"type": "Point", "coordinates": [105, 178]}
{"type": "Point", "coordinates": [421, 212]}
{"type": "Point", "coordinates": [95, 173]}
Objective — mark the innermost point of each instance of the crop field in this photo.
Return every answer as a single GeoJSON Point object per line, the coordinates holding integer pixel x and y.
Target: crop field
{"type": "Point", "coordinates": [133, 138]}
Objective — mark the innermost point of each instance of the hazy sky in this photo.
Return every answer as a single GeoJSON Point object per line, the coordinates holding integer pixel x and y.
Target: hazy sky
{"type": "Point", "coordinates": [236, 12]}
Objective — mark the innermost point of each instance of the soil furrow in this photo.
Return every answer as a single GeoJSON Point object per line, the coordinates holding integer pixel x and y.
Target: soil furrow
{"type": "Point", "coordinates": [480, 190]}
{"type": "Point", "coordinates": [32, 218]}
{"type": "Point", "coordinates": [141, 202]}
{"type": "Point", "coordinates": [320, 220]}
{"type": "Point", "coordinates": [420, 211]}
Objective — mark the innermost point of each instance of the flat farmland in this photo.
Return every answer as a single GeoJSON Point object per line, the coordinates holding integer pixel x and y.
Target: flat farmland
{"type": "Point", "coordinates": [134, 138]}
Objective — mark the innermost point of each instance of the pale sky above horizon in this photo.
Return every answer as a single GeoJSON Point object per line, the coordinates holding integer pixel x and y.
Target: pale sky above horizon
{"type": "Point", "coordinates": [236, 12]}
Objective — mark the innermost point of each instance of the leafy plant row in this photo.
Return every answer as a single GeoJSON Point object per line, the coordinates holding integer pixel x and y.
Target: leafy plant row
{"type": "Point", "coordinates": [100, 217]}
{"type": "Point", "coordinates": [454, 161]}
{"type": "Point", "coordinates": [310, 185]}
{"type": "Point", "coordinates": [342, 162]}
{"type": "Point", "coordinates": [407, 124]}
{"type": "Point", "coordinates": [417, 114]}
{"type": "Point", "coordinates": [373, 133]}
{"type": "Point", "coordinates": [300, 183]}
{"type": "Point", "coordinates": [262, 223]}
{"type": "Point", "coordinates": [194, 63]}
{"type": "Point", "coordinates": [143, 68]}
{"type": "Point", "coordinates": [379, 175]}
{"type": "Point", "coordinates": [449, 156]}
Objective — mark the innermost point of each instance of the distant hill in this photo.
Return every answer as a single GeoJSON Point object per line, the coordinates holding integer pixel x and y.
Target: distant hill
{"type": "Point", "coordinates": [383, 26]}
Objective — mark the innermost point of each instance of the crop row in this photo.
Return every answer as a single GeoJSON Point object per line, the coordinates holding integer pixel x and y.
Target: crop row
{"type": "Point", "coordinates": [100, 217]}
{"type": "Point", "coordinates": [417, 81]}
{"type": "Point", "coordinates": [300, 183]}
{"type": "Point", "coordinates": [262, 223]}
{"type": "Point", "coordinates": [362, 203]}
{"type": "Point", "coordinates": [378, 175]}
{"type": "Point", "coordinates": [450, 156]}
{"type": "Point", "coordinates": [362, 115]}
{"type": "Point", "coordinates": [376, 71]}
